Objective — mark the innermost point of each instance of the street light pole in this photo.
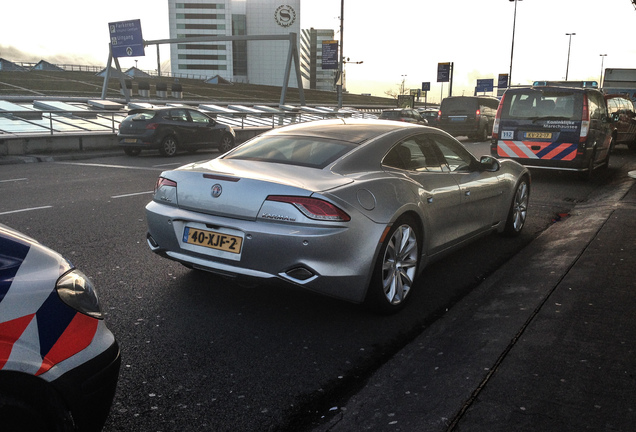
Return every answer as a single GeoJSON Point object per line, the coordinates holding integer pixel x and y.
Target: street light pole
{"type": "Point", "coordinates": [512, 48]}
{"type": "Point", "coordinates": [600, 81]}
{"type": "Point", "coordinates": [567, 69]}
{"type": "Point", "coordinates": [403, 79]}
{"type": "Point", "coordinates": [341, 62]}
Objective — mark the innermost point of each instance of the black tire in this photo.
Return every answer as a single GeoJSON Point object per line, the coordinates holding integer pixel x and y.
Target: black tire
{"type": "Point", "coordinates": [632, 145]}
{"type": "Point", "coordinates": [132, 151]}
{"type": "Point", "coordinates": [518, 212]}
{"type": "Point", "coordinates": [37, 414]}
{"type": "Point", "coordinates": [169, 146]}
{"type": "Point", "coordinates": [396, 267]}
{"type": "Point", "coordinates": [227, 143]}
{"type": "Point", "coordinates": [483, 134]}
{"type": "Point", "coordinates": [589, 172]}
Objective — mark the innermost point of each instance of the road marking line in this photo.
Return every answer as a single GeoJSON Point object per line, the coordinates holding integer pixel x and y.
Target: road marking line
{"type": "Point", "coordinates": [106, 166]}
{"type": "Point", "coordinates": [25, 210]}
{"type": "Point", "coordinates": [13, 180]}
{"type": "Point", "coordinates": [132, 194]}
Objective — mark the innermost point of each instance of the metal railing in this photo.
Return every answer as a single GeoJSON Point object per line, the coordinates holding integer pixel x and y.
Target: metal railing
{"type": "Point", "coordinates": [52, 122]}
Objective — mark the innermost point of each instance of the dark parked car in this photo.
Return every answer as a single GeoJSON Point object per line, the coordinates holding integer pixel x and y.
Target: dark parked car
{"type": "Point", "coordinates": [621, 112]}
{"type": "Point", "coordinates": [430, 114]}
{"type": "Point", "coordinates": [407, 115]}
{"type": "Point", "coordinates": [59, 363]}
{"type": "Point", "coordinates": [170, 129]}
{"type": "Point", "coordinates": [471, 116]}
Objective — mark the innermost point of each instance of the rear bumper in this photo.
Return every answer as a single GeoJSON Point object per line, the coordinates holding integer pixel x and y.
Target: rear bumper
{"type": "Point", "coordinates": [332, 260]}
{"type": "Point", "coordinates": [89, 389]}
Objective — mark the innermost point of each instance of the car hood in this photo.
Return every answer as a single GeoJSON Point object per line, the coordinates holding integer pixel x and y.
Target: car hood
{"type": "Point", "coordinates": [14, 248]}
{"type": "Point", "coordinates": [238, 188]}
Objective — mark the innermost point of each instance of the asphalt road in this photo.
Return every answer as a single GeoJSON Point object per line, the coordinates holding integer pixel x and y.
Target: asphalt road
{"type": "Point", "coordinates": [202, 353]}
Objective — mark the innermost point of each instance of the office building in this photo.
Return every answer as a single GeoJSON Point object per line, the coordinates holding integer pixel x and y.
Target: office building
{"type": "Point", "coordinates": [254, 61]}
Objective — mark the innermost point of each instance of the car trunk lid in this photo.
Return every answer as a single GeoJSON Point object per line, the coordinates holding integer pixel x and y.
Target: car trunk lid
{"type": "Point", "coordinates": [238, 189]}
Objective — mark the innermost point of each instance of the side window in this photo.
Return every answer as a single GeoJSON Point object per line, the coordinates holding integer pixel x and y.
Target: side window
{"type": "Point", "coordinates": [456, 157]}
{"type": "Point", "coordinates": [178, 115]}
{"type": "Point", "coordinates": [197, 117]}
{"type": "Point", "coordinates": [414, 154]}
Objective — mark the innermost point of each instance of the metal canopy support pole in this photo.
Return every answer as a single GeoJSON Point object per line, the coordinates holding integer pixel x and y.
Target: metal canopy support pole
{"type": "Point", "coordinates": [107, 77]}
{"type": "Point", "coordinates": [122, 81]}
{"type": "Point", "coordinates": [158, 62]}
{"type": "Point", "coordinates": [292, 55]}
{"type": "Point", "coordinates": [291, 37]}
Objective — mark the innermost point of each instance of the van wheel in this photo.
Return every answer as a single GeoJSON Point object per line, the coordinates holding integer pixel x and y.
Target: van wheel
{"type": "Point", "coordinates": [483, 135]}
{"type": "Point", "coordinates": [587, 175]}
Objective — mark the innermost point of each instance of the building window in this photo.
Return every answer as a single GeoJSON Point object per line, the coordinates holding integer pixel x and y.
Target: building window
{"type": "Point", "coordinates": [200, 6]}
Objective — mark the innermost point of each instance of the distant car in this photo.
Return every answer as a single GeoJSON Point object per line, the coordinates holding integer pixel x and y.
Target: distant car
{"type": "Point", "coordinates": [430, 114]}
{"type": "Point", "coordinates": [59, 363]}
{"type": "Point", "coordinates": [621, 111]}
{"type": "Point", "coordinates": [407, 115]}
{"type": "Point", "coordinates": [349, 208]}
{"type": "Point", "coordinates": [471, 116]}
{"type": "Point", "coordinates": [170, 129]}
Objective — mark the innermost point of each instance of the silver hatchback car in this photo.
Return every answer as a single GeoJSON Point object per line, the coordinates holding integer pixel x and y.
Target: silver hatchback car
{"type": "Point", "coordinates": [349, 208]}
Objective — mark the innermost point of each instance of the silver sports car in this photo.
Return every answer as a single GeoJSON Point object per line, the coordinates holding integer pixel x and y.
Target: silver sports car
{"type": "Point", "coordinates": [353, 209]}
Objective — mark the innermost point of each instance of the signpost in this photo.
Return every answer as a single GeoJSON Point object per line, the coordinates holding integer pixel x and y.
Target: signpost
{"type": "Point", "coordinates": [126, 39]}
{"type": "Point", "coordinates": [330, 54]}
{"type": "Point", "coordinates": [445, 74]}
{"type": "Point", "coordinates": [484, 85]}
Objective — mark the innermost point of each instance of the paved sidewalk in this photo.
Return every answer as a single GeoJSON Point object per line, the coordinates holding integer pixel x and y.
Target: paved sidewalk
{"type": "Point", "coordinates": [547, 343]}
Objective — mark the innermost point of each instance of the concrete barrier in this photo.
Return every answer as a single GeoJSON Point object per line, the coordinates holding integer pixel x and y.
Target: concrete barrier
{"type": "Point", "coordinates": [20, 145]}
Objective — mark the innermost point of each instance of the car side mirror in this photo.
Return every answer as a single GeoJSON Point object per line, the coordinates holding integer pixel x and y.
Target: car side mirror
{"type": "Point", "coordinates": [489, 163]}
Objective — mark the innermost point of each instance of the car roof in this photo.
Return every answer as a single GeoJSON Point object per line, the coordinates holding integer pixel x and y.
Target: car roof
{"type": "Point", "coordinates": [350, 130]}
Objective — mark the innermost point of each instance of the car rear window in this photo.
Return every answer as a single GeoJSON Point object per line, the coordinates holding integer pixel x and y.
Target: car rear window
{"type": "Point", "coordinates": [460, 104]}
{"type": "Point", "coordinates": [143, 115]}
{"type": "Point", "coordinates": [391, 115]}
{"type": "Point", "coordinates": [292, 150]}
{"type": "Point", "coordinates": [533, 104]}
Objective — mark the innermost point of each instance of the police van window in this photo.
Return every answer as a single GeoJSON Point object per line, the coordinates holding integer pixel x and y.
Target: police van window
{"type": "Point", "coordinates": [597, 110]}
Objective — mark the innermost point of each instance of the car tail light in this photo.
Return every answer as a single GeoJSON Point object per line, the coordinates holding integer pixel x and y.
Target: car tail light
{"type": "Point", "coordinates": [162, 181]}
{"type": "Point", "coordinates": [151, 126]}
{"type": "Point", "coordinates": [313, 208]}
{"type": "Point", "coordinates": [585, 120]}
{"type": "Point", "coordinates": [477, 114]}
{"type": "Point", "coordinates": [495, 126]}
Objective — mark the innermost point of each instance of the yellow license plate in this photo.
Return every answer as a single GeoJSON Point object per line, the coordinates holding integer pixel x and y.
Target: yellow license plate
{"type": "Point", "coordinates": [213, 240]}
{"type": "Point", "coordinates": [539, 135]}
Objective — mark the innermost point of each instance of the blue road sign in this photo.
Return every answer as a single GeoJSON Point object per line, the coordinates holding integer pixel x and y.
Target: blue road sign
{"type": "Point", "coordinates": [126, 39]}
{"type": "Point", "coordinates": [485, 85]}
{"type": "Point", "coordinates": [426, 86]}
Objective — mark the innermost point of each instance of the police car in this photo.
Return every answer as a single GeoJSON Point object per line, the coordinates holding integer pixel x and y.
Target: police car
{"type": "Point", "coordinates": [59, 363]}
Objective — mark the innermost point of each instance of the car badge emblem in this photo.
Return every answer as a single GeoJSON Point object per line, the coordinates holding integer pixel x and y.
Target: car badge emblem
{"type": "Point", "coordinates": [217, 190]}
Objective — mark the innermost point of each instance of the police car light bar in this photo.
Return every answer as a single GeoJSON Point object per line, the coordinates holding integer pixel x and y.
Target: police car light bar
{"type": "Point", "coordinates": [592, 84]}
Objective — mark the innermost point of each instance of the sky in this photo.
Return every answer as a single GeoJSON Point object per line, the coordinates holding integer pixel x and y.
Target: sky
{"type": "Point", "coordinates": [397, 41]}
